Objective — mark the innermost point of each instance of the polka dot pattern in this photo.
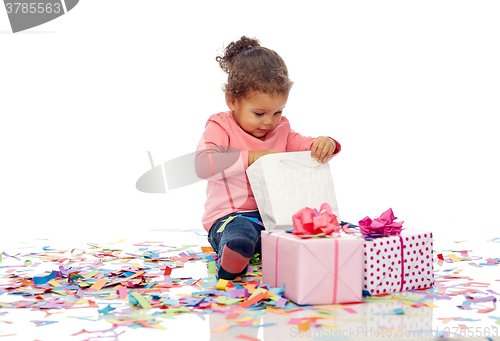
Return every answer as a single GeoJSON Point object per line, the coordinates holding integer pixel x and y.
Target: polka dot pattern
{"type": "Point", "coordinates": [384, 261]}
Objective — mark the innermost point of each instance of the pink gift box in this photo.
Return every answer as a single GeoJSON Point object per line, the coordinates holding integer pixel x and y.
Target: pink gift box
{"type": "Point", "coordinates": [314, 270]}
{"type": "Point", "coordinates": [382, 270]}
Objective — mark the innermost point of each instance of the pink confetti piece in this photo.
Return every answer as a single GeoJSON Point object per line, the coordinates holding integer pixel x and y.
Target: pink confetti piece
{"type": "Point", "coordinates": [122, 292]}
{"type": "Point", "coordinates": [295, 320]}
{"type": "Point", "coordinates": [486, 310]}
{"type": "Point", "coordinates": [245, 324]}
{"type": "Point", "coordinates": [350, 310]}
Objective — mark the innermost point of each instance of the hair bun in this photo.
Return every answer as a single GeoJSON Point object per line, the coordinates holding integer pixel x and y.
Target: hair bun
{"type": "Point", "coordinates": [234, 49]}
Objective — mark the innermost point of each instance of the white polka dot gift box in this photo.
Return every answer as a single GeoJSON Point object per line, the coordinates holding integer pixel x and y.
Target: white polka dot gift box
{"type": "Point", "coordinates": [395, 259]}
{"type": "Point", "coordinates": [398, 263]}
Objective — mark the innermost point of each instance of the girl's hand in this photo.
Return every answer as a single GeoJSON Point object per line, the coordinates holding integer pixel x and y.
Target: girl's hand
{"type": "Point", "coordinates": [322, 148]}
{"type": "Point", "coordinates": [253, 155]}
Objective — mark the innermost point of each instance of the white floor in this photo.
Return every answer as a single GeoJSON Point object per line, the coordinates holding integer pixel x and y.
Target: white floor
{"type": "Point", "coordinates": [364, 323]}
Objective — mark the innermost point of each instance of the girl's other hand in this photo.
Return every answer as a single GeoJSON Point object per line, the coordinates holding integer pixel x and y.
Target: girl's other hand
{"type": "Point", "coordinates": [253, 155]}
{"type": "Point", "coordinates": [322, 148]}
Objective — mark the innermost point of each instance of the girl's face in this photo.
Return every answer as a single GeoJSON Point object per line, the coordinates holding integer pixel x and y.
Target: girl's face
{"type": "Point", "coordinates": [258, 113]}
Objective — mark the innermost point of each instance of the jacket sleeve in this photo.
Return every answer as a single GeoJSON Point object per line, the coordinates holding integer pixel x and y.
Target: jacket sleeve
{"type": "Point", "coordinates": [215, 158]}
{"type": "Point", "coordinates": [297, 143]}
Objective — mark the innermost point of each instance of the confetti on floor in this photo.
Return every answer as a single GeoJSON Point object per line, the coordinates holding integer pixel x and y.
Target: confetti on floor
{"type": "Point", "coordinates": [135, 286]}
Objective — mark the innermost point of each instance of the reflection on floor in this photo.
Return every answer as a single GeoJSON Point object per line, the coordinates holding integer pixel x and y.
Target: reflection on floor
{"type": "Point", "coordinates": [117, 290]}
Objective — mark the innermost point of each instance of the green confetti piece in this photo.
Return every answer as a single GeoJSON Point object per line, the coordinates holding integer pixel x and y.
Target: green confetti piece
{"type": "Point", "coordinates": [377, 299]}
{"type": "Point", "coordinates": [406, 298]}
{"type": "Point", "coordinates": [141, 300]}
{"type": "Point", "coordinates": [327, 312]}
{"type": "Point", "coordinates": [91, 274]}
{"type": "Point", "coordinates": [174, 310]}
{"type": "Point", "coordinates": [27, 262]}
{"type": "Point", "coordinates": [256, 292]}
{"type": "Point", "coordinates": [227, 301]}
{"type": "Point", "coordinates": [77, 317]}
{"type": "Point", "coordinates": [357, 320]}
{"type": "Point", "coordinates": [226, 221]}
{"type": "Point", "coordinates": [275, 298]}
{"type": "Point", "coordinates": [212, 268]}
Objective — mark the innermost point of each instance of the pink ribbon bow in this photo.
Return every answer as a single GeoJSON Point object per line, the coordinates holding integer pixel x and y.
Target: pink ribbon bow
{"type": "Point", "coordinates": [385, 224]}
{"type": "Point", "coordinates": [309, 221]}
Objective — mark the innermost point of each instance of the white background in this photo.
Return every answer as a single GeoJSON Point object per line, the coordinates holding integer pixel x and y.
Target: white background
{"type": "Point", "coordinates": [409, 88]}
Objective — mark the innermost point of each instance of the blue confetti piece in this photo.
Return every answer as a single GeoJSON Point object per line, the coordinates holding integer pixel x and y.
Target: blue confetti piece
{"type": "Point", "coordinates": [170, 301]}
{"type": "Point", "coordinates": [43, 323]}
{"type": "Point", "coordinates": [44, 279]}
{"type": "Point", "coordinates": [106, 310]}
{"type": "Point", "coordinates": [264, 325]}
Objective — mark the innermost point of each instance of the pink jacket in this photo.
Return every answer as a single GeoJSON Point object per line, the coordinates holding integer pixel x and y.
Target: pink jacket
{"type": "Point", "coordinates": [223, 142]}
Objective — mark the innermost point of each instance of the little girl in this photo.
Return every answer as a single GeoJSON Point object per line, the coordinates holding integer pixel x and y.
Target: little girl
{"type": "Point", "coordinates": [256, 94]}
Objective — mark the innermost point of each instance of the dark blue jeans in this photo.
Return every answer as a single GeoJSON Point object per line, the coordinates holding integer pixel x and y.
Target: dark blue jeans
{"type": "Point", "coordinates": [238, 227]}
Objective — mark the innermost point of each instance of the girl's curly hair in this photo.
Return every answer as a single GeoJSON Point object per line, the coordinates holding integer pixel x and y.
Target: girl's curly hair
{"type": "Point", "coordinates": [251, 67]}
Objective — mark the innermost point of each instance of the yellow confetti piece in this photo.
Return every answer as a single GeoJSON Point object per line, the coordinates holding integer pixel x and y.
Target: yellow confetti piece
{"type": "Point", "coordinates": [82, 301]}
{"type": "Point", "coordinates": [158, 326]}
{"type": "Point", "coordinates": [246, 318]}
{"type": "Point", "coordinates": [329, 306]}
{"type": "Point", "coordinates": [328, 325]}
{"type": "Point", "coordinates": [120, 241]}
{"type": "Point", "coordinates": [454, 258]}
{"type": "Point", "coordinates": [137, 265]}
{"type": "Point", "coordinates": [115, 321]}
{"type": "Point", "coordinates": [221, 284]}
{"type": "Point", "coordinates": [54, 283]}
{"type": "Point", "coordinates": [277, 311]}
{"type": "Point", "coordinates": [408, 302]}
{"type": "Point", "coordinates": [431, 305]}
